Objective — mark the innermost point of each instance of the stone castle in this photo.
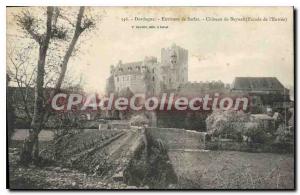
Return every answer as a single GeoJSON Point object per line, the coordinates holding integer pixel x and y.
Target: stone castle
{"type": "Point", "coordinates": [150, 76]}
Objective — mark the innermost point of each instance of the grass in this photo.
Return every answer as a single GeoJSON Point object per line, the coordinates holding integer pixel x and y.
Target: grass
{"type": "Point", "coordinates": [57, 176]}
{"type": "Point", "coordinates": [233, 170]}
{"type": "Point", "coordinates": [21, 134]}
{"type": "Point", "coordinates": [194, 169]}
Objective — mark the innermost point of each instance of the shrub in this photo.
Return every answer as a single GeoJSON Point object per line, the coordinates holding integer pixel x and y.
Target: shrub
{"type": "Point", "coordinates": [284, 135]}
{"type": "Point", "coordinates": [255, 132]}
{"type": "Point", "coordinates": [234, 125]}
{"type": "Point", "coordinates": [229, 124]}
{"type": "Point", "coordinates": [139, 120]}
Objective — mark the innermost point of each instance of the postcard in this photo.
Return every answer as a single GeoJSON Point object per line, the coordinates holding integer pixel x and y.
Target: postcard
{"type": "Point", "coordinates": [150, 98]}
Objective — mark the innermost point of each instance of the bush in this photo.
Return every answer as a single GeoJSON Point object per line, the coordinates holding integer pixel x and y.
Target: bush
{"type": "Point", "coordinates": [139, 120]}
{"type": "Point", "coordinates": [228, 124]}
{"type": "Point", "coordinates": [22, 123]}
{"type": "Point", "coordinates": [234, 125]}
{"type": "Point", "coordinates": [284, 135]}
{"type": "Point", "coordinates": [255, 132]}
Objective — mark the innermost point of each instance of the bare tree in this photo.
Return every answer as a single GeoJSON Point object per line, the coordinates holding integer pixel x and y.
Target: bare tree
{"type": "Point", "coordinates": [47, 36]}
{"type": "Point", "coordinates": [22, 75]}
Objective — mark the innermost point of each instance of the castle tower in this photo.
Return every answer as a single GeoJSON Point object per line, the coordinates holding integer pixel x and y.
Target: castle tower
{"type": "Point", "coordinates": [174, 62]}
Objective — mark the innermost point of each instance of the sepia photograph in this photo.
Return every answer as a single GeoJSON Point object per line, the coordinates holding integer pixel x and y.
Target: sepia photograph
{"type": "Point", "coordinates": [150, 98]}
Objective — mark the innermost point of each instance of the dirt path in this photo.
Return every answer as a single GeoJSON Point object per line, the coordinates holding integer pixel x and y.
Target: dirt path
{"type": "Point", "coordinates": [121, 145]}
{"type": "Point", "coordinates": [120, 151]}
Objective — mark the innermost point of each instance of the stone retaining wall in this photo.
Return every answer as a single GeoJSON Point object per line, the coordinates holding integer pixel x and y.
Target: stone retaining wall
{"type": "Point", "coordinates": [178, 138]}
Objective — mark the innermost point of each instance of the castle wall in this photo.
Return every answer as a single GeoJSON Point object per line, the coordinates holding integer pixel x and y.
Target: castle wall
{"type": "Point", "coordinates": [135, 82]}
{"type": "Point", "coordinates": [151, 77]}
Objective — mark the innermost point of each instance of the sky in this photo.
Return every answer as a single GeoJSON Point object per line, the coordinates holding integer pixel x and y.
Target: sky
{"type": "Point", "coordinates": [218, 50]}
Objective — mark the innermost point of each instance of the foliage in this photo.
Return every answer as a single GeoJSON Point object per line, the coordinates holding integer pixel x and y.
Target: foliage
{"type": "Point", "coordinates": [151, 166]}
{"type": "Point", "coordinates": [10, 111]}
{"type": "Point", "coordinates": [229, 124]}
{"type": "Point", "coordinates": [125, 93]}
{"type": "Point", "coordinates": [236, 124]}
{"type": "Point", "coordinates": [291, 121]}
{"type": "Point", "coordinates": [284, 135]}
{"type": "Point", "coordinates": [186, 120]}
{"type": "Point", "coordinates": [139, 120]}
{"type": "Point", "coordinates": [55, 36]}
{"type": "Point", "coordinates": [255, 132]}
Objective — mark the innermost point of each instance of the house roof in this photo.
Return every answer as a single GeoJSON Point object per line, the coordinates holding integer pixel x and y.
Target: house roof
{"type": "Point", "coordinates": [257, 84]}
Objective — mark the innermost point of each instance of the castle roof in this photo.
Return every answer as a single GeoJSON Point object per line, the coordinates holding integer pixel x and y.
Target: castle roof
{"type": "Point", "coordinates": [128, 64]}
{"type": "Point", "coordinates": [129, 68]}
{"type": "Point", "coordinates": [257, 84]}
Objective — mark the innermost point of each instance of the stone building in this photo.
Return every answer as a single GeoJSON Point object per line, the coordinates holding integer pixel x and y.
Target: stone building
{"type": "Point", "coordinates": [174, 66]}
{"type": "Point", "coordinates": [137, 76]}
{"type": "Point", "coordinates": [150, 76]}
{"type": "Point", "coordinates": [265, 92]}
{"type": "Point", "coordinates": [202, 88]}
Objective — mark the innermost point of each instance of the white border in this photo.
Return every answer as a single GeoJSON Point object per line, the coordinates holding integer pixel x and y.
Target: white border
{"type": "Point", "coordinates": [152, 2]}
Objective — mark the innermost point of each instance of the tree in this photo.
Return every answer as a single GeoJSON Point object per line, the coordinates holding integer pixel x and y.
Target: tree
{"type": "Point", "coordinates": [125, 93]}
{"type": "Point", "coordinates": [21, 74]}
{"type": "Point", "coordinates": [10, 112]}
{"type": "Point", "coordinates": [48, 35]}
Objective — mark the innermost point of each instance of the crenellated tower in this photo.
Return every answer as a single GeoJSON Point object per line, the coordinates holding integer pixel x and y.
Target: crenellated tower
{"type": "Point", "coordinates": [174, 65]}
